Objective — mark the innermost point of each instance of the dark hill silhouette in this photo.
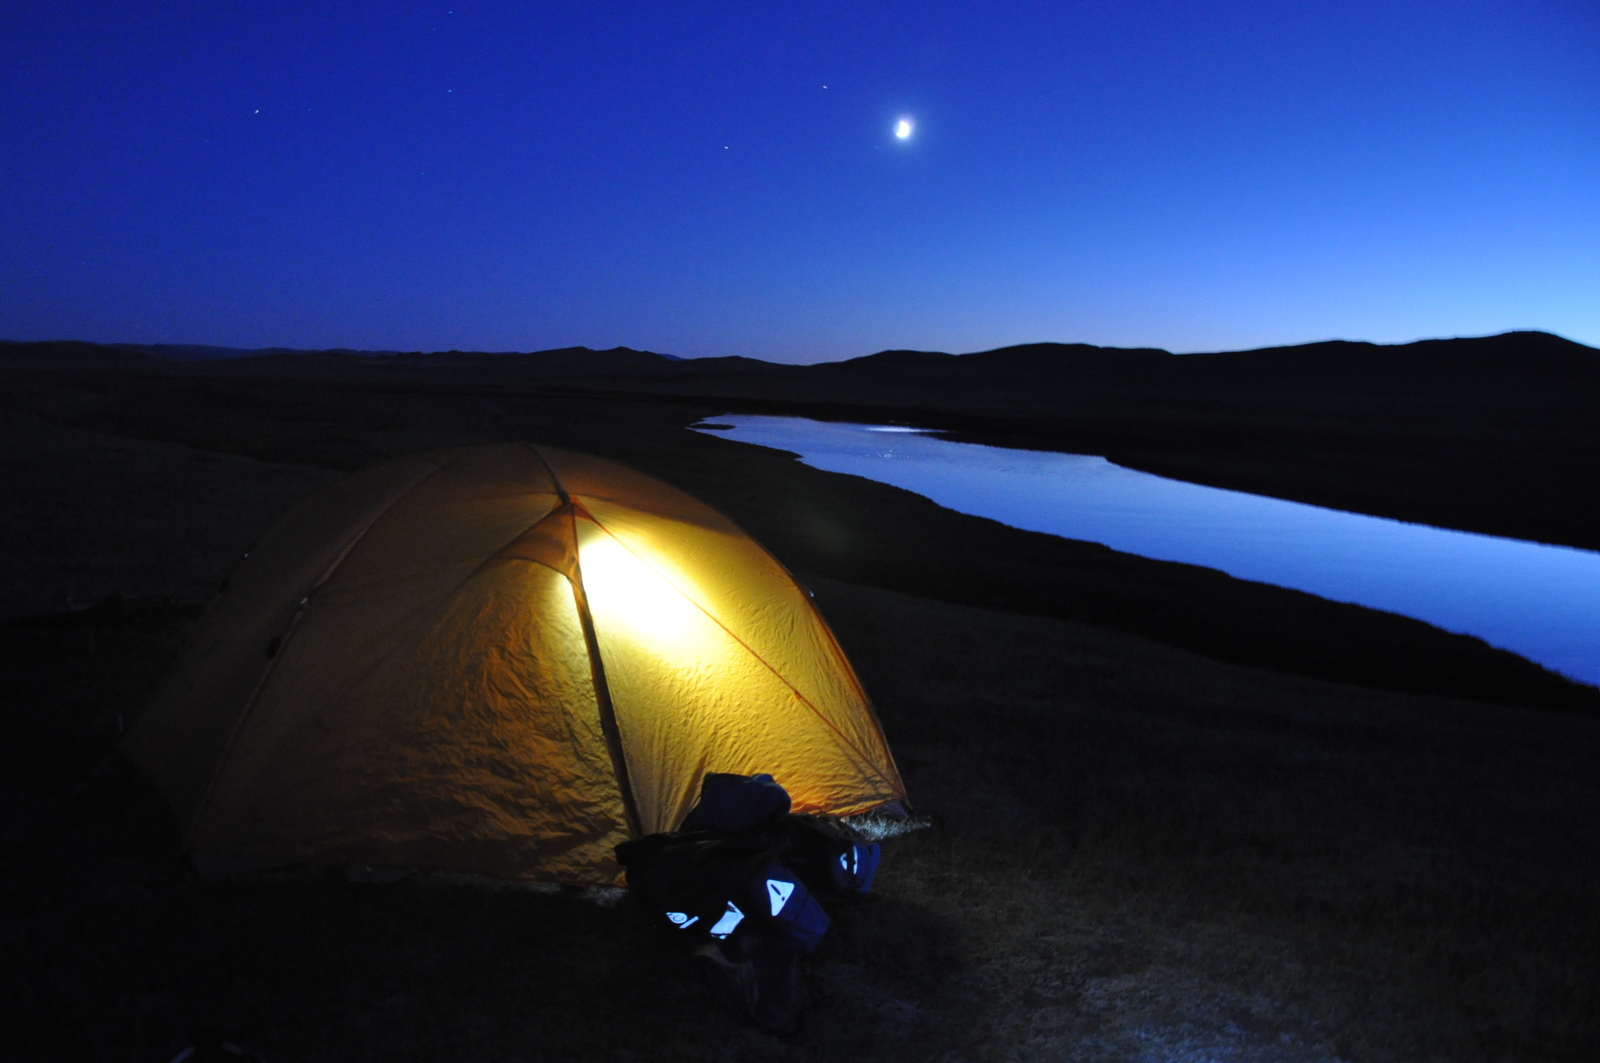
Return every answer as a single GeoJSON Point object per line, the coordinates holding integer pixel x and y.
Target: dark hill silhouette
{"type": "Point", "coordinates": [1523, 361]}
{"type": "Point", "coordinates": [1025, 376]}
{"type": "Point", "coordinates": [70, 353]}
{"type": "Point", "coordinates": [1161, 799]}
{"type": "Point", "coordinates": [1496, 434]}
{"type": "Point", "coordinates": [85, 353]}
{"type": "Point", "coordinates": [564, 359]}
{"type": "Point", "coordinates": [583, 360]}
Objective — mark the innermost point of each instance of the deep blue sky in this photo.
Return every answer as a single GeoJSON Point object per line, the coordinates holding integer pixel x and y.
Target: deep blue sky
{"type": "Point", "coordinates": [676, 177]}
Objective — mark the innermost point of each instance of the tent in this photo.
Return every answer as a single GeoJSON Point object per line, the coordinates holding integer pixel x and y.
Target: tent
{"type": "Point", "coordinates": [502, 659]}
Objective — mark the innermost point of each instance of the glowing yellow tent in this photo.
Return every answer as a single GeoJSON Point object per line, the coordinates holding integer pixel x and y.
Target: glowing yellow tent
{"type": "Point", "coordinates": [502, 659]}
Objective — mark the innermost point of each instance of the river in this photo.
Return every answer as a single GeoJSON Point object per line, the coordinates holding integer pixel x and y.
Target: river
{"type": "Point", "coordinates": [1537, 600]}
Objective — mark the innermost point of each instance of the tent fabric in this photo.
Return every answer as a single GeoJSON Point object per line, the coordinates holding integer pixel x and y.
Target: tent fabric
{"type": "Point", "coordinates": [503, 659]}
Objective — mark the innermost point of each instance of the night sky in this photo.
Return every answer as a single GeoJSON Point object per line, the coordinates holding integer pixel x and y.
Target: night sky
{"type": "Point", "coordinates": [708, 179]}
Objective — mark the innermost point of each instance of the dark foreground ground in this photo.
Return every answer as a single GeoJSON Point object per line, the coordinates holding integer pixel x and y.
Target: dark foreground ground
{"type": "Point", "coordinates": [1174, 816]}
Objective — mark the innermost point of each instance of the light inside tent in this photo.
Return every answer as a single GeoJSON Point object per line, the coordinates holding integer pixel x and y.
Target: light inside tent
{"type": "Point", "coordinates": [639, 596]}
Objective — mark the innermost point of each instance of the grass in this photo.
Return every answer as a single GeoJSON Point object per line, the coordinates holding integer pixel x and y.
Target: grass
{"type": "Point", "coordinates": [1136, 850]}
{"type": "Point", "coordinates": [1376, 877]}
{"type": "Point", "coordinates": [1135, 853]}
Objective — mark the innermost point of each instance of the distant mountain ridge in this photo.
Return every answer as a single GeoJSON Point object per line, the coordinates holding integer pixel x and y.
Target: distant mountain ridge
{"type": "Point", "coordinates": [1533, 358]}
{"type": "Point", "coordinates": [1538, 349]}
{"type": "Point", "coordinates": [1495, 434]}
{"type": "Point", "coordinates": [1059, 390]}
{"type": "Point", "coordinates": [84, 351]}
{"type": "Point", "coordinates": [1476, 349]}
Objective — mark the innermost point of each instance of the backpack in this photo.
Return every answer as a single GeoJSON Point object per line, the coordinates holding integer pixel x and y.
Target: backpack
{"type": "Point", "coordinates": [741, 855]}
{"type": "Point", "coordinates": [740, 879]}
{"type": "Point", "coordinates": [734, 804]}
{"type": "Point", "coordinates": [757, 975]}
{"type": "Point", "coordinates": [709, 884]}
{"type": "Point", "coordinates": [830, 855]}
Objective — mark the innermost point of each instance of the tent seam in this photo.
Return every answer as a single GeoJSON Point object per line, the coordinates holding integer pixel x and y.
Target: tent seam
{"type": "Point", "coordinates": [445, 598]}
{"type": "Point", "coordinates": [294, 623]}
{"type": "Point", "coordinates": [897, 784]}
{"type": "Point", "coordinates": [606, 707]}
{"type": "Point", "coordinates": [866, 760]}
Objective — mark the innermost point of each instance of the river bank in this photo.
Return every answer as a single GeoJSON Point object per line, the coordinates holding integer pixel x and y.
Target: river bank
{"type": "Point", "coordinates": [1141, 842]}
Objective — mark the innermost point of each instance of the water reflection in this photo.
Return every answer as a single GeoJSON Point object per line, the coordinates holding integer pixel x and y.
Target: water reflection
{"type": "Point", "coordinates": [1540, 601]}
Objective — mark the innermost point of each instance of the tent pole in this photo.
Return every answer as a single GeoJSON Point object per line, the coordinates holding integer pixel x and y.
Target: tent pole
{"type": "Point", "coordinates": [602, 691]}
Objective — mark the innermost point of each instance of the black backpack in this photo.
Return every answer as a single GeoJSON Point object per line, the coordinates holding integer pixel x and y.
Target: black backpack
{"type": "Point", "coordinates": [740, 880]}
{"type": "Point", "coordinates": [831, 856]}
{"type": "Point", "coordinates": [705, 883]}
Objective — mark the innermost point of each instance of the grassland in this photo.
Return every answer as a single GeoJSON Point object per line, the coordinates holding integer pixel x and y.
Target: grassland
{"type": "Point", "coordinates": [1156, 833]}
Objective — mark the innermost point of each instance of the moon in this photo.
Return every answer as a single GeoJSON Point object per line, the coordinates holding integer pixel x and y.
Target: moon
{"type": "Point", "coordinates": [902, 128]}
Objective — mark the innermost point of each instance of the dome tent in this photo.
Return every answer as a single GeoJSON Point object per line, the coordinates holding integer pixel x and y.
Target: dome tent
{"type": "Point", "coordinates": [502, 659]}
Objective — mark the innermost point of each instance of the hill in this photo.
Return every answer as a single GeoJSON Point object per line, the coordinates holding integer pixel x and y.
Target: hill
{"type": "Point", "coordinates": [1174, 815]}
